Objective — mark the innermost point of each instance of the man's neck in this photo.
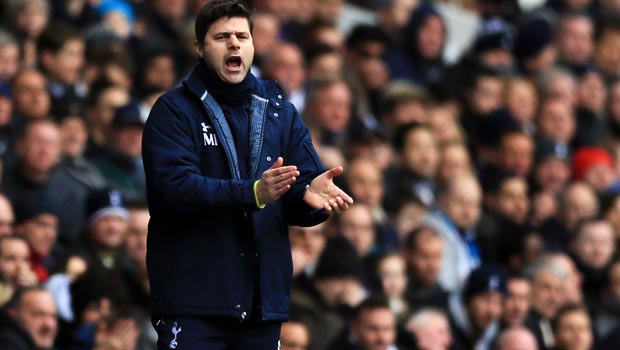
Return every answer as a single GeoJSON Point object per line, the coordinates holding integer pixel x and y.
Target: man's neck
{"type": "Point", "coordinates": [36, 175]}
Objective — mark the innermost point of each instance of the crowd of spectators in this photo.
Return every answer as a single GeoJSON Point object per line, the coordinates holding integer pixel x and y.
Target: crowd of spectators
{"type": "Point", "coordinates": [480, 140]}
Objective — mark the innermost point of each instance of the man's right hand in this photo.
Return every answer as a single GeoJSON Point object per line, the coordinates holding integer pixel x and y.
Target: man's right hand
{"type": "Point", "coordinates": [275, 181]}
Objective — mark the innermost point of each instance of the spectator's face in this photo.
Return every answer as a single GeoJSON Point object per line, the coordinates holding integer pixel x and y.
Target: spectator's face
{"type": "Point", "coordinates": [600, 177]}
{"type": "Point", "coordinates": [591, 92]}
{"type": "Point", "coordinates": [420, 153]}
{"type": "Point", "coordinates": [547, 293]}
{"type": "Point", "coordinates": [516, 154]}
{"type": "Point", "coordinates": [430, 38]}
{"type": "Point", "coordinates": [14, 259]}
{"type": "Point", "coordinates": [367, 58]}
{"type": "Point", "coordinates": [325, 66]}
{"type": "Point", "coordinates": [357, 226]}
{"type": "Point", "coordinates": [294, 336]}
{"type": "Point", "coordinates": [66, 64]}
{"type": "Point", "coordinates": [580, 203]}
{"type": "Point", "coordinates": [111, 99]}
{"type": "Point", "coordinates": [73, 136]}
{"type": "Point", "coordinates": [455, 161]}
{"type": "Point", "coordinates": [38, 316]}
{"type": "Point", "coordinates": [487, 94]}
{"type": "Point", "coordinates": [552, 174]}
{"type": "Point", "coordinates": [375, 329]}
{"type": "Point", "coordinates": [135, 242]}
{"type": "Point", "coordinates": [562, 88]}
{"type": "Point", "coordinates": [40, 147]}
{"type": "Point", "coordinates": [607, 55]}
{"type": "Point", "coordinates": [287, 67]}
{"type": "Point", "coordinates": [333, 290]}
{"type": "Point", "coordinates": [7, 217]}
{"type": "Point", "coordinates": [128, 140]}
{"type": "Point", "coordinates": [30, 96]}
{"type": "Point", "coordinates": [425, 260]}
{"type": "Point", "coordinates": [41, 232]}
{"type": "Point", "coordinates": [433, 333]}
{"type": "Point", "coordinates": [227, 48]}
{"type": "Point", "coordinates": [160, 72]}
{"type": "Point", "coordinates": [6, 110]}
{"type": "Point", "coordinates": [330, 36]}
{"type": "Point", "coordinates": [442, 120]}
{"type": "Point", "coordinates": [575, 40]}
{"type": "Point", "coordinates": [517, 302]}
{"type": "Point", "coordinates": [522, 100]}
{"type": "Point", "coordinates": [329, 10]}
{"type": "Point", "coordinates": [393, 276]}
{"type": "Point", "coordinates": [574, 331]}
{"type": "Point", "coordinates": [9, 61]}
{"type": "Point", "coordinates": [32, 19]}
{"type": "Point", "coordinates": [310, 239]}
{"type": "Point", "coordinates": [265, 32]}
{"type": "Point", "coordinates": [512, 200]}
{"type": "Point", "coordinates": [365, 182]}
{"type": "Point", "coordinates": [332, 107]}
{"type": "Point", "coordinates": [571, 285]}
{"type": "Point", "coordinates": [173, 10]}
{"type": "Point", "coordinates": [556, 121]}
{"type": "Point", "coordinates": [594, 245]}
{"type": "Point", "coordinates": [484, 309]}
{"type": "Point", "coordinates": [108, 231]}
{"type": "Point", "coordinates": [462, 204]}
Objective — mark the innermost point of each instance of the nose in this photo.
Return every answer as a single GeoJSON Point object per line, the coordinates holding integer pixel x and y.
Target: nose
{"type": "Point", "coordinates": [233, 42]}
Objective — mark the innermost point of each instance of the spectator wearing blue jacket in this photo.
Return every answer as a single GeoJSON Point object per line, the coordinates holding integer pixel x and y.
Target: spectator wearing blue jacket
{"type": "Point", "coordinates": [220, 196]}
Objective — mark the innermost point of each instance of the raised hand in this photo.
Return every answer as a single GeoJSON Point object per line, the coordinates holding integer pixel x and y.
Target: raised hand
{"type": "Point", "coordinates": [322, 192]}
{"type": "Point", "coordinates": [276, 181]}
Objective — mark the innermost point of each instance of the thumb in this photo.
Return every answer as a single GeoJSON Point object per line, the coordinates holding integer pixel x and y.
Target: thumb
{"type": "Point", "coordinates": [278, 163]}
{"type": "Point", "coordinates": [334, 172]}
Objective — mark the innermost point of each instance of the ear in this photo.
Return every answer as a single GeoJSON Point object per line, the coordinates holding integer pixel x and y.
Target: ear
{"type": "Point", "coordinates": [198, 49]}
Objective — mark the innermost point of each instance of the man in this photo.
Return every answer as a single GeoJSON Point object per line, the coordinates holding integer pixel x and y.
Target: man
{"type": "Point", "coordinates": [430, 328]}
{"type": "Point", "coordinates": [29, 321]}
{"type": "Point", "coordinates": [373, 327]}
{"type": "Point", "coordinates": [475, 314]}
{"type": "Point", "coordinates": [294, 336]}
{"type": "Point", "coordinates": [460, 206]}
{"type": "Point", "coordinates": [516, 338]}
{"type": "Point", "coordinates": [517, 302]}
{"type": "Point", "coordinates": [220, 196]}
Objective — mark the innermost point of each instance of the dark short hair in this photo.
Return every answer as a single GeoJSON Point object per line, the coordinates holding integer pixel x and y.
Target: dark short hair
{"type": "Point", "coordinates": [55, 36]}
{"type": "Point", "coordinates": [216, 9]}
{"type": "Point", "coordinates": [565, 310]}
{"type": "Point", "coordinates": [373, 302]}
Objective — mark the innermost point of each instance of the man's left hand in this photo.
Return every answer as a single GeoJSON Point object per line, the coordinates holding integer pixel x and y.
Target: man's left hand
{"type": "Point", "coordinates": [323, 194]}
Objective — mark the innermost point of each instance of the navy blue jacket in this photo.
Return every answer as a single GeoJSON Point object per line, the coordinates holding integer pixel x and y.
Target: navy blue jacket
{"type": "Point", "coordinates": [197, 252]}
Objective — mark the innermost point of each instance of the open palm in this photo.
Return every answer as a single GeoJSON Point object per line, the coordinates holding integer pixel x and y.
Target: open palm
{"type": "Point", "coordinates": [323, 193]}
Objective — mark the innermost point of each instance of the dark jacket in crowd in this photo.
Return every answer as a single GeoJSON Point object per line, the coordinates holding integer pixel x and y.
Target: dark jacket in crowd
{"type": "Point", "coordinates": [210, 249]}
{"type": "Point", "coordinates": [12, 335]}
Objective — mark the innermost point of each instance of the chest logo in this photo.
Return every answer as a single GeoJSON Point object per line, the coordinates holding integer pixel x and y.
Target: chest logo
{"type": "Point", "coordinates": [208, 135]}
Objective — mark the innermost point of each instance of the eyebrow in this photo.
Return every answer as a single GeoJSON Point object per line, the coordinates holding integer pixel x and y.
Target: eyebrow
{"type": "Point", "coordinates": [227, 34]}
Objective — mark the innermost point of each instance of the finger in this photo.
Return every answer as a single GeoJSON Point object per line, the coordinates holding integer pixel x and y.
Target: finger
{"type": "Point", "coordinates": [334, 172]}
{"type": "Point", "coordinates": [278, 163]}
{"type": "Point", "coordinates": [280, 170]}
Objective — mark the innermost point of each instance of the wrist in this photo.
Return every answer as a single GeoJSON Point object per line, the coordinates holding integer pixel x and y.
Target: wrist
{"type": "Point", "coordinates": [259, 205]}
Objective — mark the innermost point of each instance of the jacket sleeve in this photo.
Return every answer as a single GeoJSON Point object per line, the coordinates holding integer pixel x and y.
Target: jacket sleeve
{"type": "Point", "coordinates": [301, 152]}
{"type": "Point", "coordinates": [172, 166]}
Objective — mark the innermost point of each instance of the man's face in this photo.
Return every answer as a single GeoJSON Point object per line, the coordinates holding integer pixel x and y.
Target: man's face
{"type": "Point", "coordinates": [135, 242]}
{"type": "Point", "coordinates": [607, 55]}
{"type": "Point", "coordinates": [462, 204]}
{"type": "Point", "coordinates": [294, 336]}
{"type": "Point", "coordinates": [575, 40]}
{"type": "Point", "coordinates": [332, 107]}
{"type": "Point", "coordinates": [128, 139]}
{"type": "Point", "coordinates": [109, 231]}
{"type": "Point", "coordinates": [41, 232]}
{"type": "Point", "coordinates": [65, 65]}
{"type": "Point", "coordinates": [228, 48]}
{"type": "Point", "coordinates": [547, 293]}
{"type": "Point", "coordinates": [9, 61]}
{"type": "Point", "coordinates": [420, 153]}
{"type": "Point", "coordinates": [595, 244]}
{"type": "Point", "coordinates": [512, 199]}
{"type": "Point", "coordinates": [357, 226]}
{"type": "Point", "coordinates": [425, 260]}
{"type": "Point", "coordinates": [484, 309]}
{"type": "Point", "coordinates": [365, 182]}
{"type": "Point", "coordinates": [30, 96]}
{"type": "Point", "coordinates": [431, 37]}
{"type": "Point", "coordinates": [287, 67]}
{"type": "Point", "coordinates": [517, 151]}
{"type": "Point", "coordinates": [367, 58]}
{"type": "Point", "coordinates": [38, 316]}
{"type": "Point", "coordinates": [517, 303]}
{"type": "Point", "coordinates": [556, 121]}
{"type": "Point", "coordinates": [40, 147]}
{"type": "Point", "coordinates": [14, 259]}
{"type": "Point", "coordinates": [310, 239]}
{"type": "Point", "coordinates": [580, 203]}
{"type": "Point", "coordinates": [487, 95]}
{"type": "Point", "coordinates": [7, 217]}
{"type": "Point", "coordinates": [375, 329]}
{"type": "Point", "coordinates": [393, 276]}
{"type": "Point", "coordinates": [552, 174]}
{"type": "Point", "coordinates": [574, 331]}
{"type": "Point", "coordinates": [73, 135]}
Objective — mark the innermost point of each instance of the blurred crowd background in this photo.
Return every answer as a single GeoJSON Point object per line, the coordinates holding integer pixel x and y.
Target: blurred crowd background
{"type": "Point", "coordinates": [480, 140]}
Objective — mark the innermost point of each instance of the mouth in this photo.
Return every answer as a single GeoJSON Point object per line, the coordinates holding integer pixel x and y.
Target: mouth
{"type": "Point", "coordinates": [233, 63]}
